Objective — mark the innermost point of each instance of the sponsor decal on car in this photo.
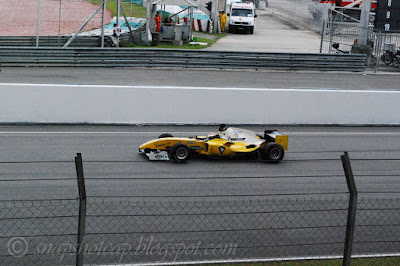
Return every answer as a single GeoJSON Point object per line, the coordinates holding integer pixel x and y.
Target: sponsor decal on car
{"type": "Point", "coordinates": [221, 149]}
{"type": "Point", "coordinates": [161, 144]}
{"type": "Point", "coordinates": [158, 156]}
{"type": "Point", "coordinates": [195, 147]}
{"type": "Point", "coordinates": [236, 133]}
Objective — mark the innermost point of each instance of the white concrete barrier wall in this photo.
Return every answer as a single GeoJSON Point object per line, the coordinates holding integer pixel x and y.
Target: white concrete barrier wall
{"type": "Point", "coordinates": [48, 103]}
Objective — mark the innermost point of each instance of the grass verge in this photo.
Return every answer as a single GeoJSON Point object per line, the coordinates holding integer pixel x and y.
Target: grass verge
{"type": "Point", "coordinates": [167, 45]}
{"type": "Point", "coordinates": [187, 45]}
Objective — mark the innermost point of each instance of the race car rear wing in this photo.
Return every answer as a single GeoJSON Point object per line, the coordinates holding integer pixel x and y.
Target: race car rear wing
{"type": "Point", "coordinates": [277, 137]}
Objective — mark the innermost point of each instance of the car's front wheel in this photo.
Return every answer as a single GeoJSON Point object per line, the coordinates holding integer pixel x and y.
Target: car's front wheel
{"type": "Point", "coordinates": [273, 152]}
{"type": "Point", "coordinates": [179, 153]}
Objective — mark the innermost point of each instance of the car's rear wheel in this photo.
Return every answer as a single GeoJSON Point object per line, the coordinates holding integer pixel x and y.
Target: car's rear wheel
{"type": "Point", "coordinates": [179, 153]}
{"type": "Point", "coordinates": [165, 135]}
{"type": "Point", "coordinates": [273, 152]}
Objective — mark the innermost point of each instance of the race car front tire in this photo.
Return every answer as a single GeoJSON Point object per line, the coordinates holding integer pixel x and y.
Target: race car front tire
{"type": "Point", "coordinates": [179, 153]}
{"type": "Point", "coordinates": [273, 152]}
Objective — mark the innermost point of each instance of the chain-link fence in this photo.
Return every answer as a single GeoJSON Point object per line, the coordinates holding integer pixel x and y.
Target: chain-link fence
{"type": "Point", "coordinates": [171, 231]}
{"type": "Point", "coordinates": [340, 28]}
{"type": "Point", "coordinates": [202, 228]}
{"type": "Point", "coordinates": [345, 34]}
{"type": "Point", "coordinates": [377, 226]}
{"type": "Point", "coordinates": [49, 17]}
{"type": "Point", "coordinates": [302, 13]}
{"type": "Point", "coordinates": [339, 37]}
{"type": "Point", "coordinates": [38, 232]}
{"type": "Point", "coordinates": [387, 50]}
{"type": "Point", "coordinates": [52, 22]}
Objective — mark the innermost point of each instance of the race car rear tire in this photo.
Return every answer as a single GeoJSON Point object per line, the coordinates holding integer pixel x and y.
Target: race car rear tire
{"type": "Point", "coordinates": [165, 135]}
{"type": "Point", "coordinates": [273, 152]}
{"type": "Point", "coordinates": [179, 153]}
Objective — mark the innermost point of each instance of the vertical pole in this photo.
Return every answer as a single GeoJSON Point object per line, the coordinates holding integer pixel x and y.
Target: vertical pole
{"type": "Point", "coordinates": [364, 19]}
{"type": "Point", "coordinates": [379, 36]}
{"type": "Point", "coordinates": [118, 12]}
{"type": "Point", "coordinates": [215, 15]}
{"type": "Point", "coordinates": [351, 216]}
{"type": "Point", "coordinates": [130, 14]}
{"type": "Point", "coordinates": [322, 36]}
{"type": "Point", "coordinates": [150, 19]}
{"type": "Point", "coordinates": [103, 21]}
{"type": "Point", "coordinates": [38, 24]}
{"type": "Point", "coordinates": [59, 24]}
{"type": "Point", "coordinates": [331, 25]}
{"type": "Point", "coordinates": [191, 23]}
{"type": "Point", "coordinates": [82, 210]}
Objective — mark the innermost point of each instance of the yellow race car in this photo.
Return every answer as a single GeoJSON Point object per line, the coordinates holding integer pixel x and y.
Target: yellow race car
{"type": "Point", "coordinates": [228, 142]}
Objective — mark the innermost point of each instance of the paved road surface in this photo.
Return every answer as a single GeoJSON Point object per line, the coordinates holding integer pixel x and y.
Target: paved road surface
{"type": "Point", "coordinates": [119, 146]}
{"type": "Point", "coordinates": [205, 78]}
{"type": "Point", "coordinates": [271, 34]}
{"type": "Point", "coordinates": [250, 205]}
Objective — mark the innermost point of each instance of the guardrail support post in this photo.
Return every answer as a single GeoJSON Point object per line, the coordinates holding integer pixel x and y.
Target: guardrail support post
{"type": "Point", "coordinates": [351, 216]}
{"type": "Point", "coordinates": [82, 210]}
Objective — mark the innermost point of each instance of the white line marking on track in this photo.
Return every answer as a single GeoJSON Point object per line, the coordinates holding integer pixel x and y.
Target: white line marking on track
{"type": "Point", "coordinates": [195, 88]}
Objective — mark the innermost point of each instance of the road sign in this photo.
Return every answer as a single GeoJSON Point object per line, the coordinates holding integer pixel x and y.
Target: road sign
{"type": "Point", "coordinates": [387, 16]}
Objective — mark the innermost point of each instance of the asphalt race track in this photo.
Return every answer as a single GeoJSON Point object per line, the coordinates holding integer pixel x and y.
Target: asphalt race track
{"type": "Point", "coordinates": [193, 203]}
{"type": "Point", "coordinates": [113, 166]}
{"type": "Point", "coordinates": [202, 78]}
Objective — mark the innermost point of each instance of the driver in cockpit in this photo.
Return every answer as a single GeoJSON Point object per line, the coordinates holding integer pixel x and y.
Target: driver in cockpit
{"type": "Point", "coordinates": [224, 132]}
{"type": "Point", "coordinates": [222, 127]}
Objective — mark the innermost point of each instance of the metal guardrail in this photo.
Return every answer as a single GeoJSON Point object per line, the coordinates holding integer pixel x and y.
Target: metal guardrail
{"type": "Point", "coordinates": [134, 57]}
{"type": "Point", "coordinates": [52, 41]}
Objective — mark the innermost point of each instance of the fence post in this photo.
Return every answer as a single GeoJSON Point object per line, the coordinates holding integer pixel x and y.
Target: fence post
{"type": "Point", "coordinates": [38, 24]}
{"type": "Point", "coordinates": [82, 210]}
{"type": "Point", "coordinates": [351, 216]}
{"type": "Point", "coordinates": [322, 36]}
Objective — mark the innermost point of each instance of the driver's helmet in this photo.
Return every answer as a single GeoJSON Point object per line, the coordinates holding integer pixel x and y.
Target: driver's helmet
{"type": "Point", "coordinates": [222, 127]}
{"type": "Point", "coordinates": [211, 136]}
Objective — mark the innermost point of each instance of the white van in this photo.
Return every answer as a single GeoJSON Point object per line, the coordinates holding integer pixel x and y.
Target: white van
{"type": "Point", "coordinates": [242, 17]}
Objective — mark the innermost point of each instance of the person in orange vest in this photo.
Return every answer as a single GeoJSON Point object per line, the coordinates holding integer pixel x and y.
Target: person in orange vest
{"type": "Point", "coordinates": [222, 20]}
{"type": "Point", "coordinates": [157, 18]}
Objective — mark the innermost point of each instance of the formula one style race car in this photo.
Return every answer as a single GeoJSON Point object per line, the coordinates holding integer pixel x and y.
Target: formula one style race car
{"type": "Point", "coordinates": [228, 142]}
